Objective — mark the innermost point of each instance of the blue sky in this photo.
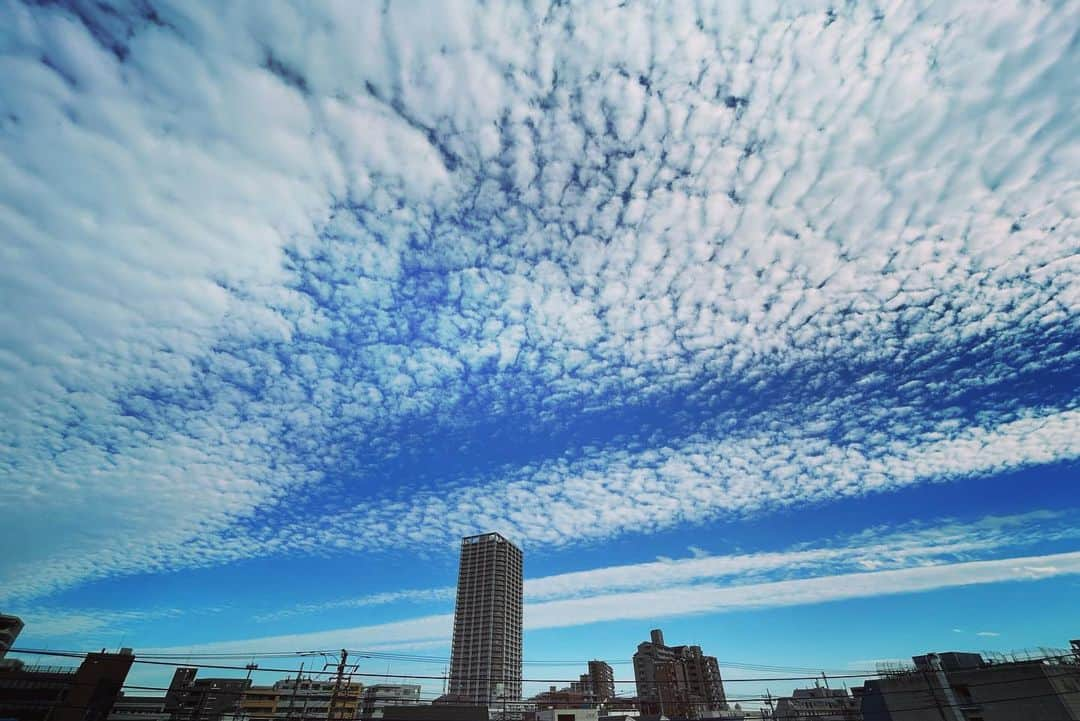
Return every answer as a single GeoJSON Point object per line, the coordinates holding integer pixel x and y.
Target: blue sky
{"type": "Point", "coordinates": [757, 323]}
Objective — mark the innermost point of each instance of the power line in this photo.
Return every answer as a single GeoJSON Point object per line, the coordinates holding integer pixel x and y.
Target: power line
{"type": "Point", "coordinates": [440, 677]}
{"type": "Point", "coordinates": [421, 658]}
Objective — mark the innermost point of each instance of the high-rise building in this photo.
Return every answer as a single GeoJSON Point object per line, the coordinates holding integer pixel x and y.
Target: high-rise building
{"type": "Point", "coordinates": [677, 681]}
{"type": "Point", "coordinates": [485, 661]}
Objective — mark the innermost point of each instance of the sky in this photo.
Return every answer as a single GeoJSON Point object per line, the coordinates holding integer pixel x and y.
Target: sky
{"type": "Point", "coordinates": [755, 322]}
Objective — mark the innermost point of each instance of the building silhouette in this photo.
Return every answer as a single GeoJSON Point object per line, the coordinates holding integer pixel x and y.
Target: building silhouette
{"type": "Point", "coordinates": [485, 660]}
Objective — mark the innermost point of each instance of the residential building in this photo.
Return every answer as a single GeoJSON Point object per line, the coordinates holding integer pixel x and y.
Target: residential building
{"type": "Point", "coordinates": [377, 697]}
{"type": "Point", "coordinates": [485, 659]}
{"type": "Point", "coordinates": [819, 704]}
{"type": "Point", "coordinates": [569, 697]}
{"type": "Point", "coordinates": [966, 687]}
{"type": "Point", "coordinates": [307, 699]}
{"type": "Point", "coordinates": [260, 703]}
{"type": "Point", "coordinates": [58, 693]}
{"type": "Point", "coordinates": [203, 699]}
{"type": "Point", "coordinates": [677, 681]}
{"type": "Point", "coordinates": [598, 685]}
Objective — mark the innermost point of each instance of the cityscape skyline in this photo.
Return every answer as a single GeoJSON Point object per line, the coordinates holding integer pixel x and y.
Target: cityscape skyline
{"type": "Point", "coordinates": [676, 682]}
{"type": "Point", "coordinates": [755, 322]}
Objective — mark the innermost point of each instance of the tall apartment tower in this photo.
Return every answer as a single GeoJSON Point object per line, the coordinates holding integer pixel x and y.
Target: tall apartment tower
{"type": "Point", "coordinates": [485, 661]}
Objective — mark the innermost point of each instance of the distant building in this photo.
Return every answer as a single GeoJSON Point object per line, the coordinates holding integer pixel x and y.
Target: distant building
{"type": "Point", "coordinates": [966, 687]}
{"type": "Point", "coordinates": [819, 704]}
{"type": "Point", "coordinates": [306, 699]}
{"type": "Point", "coordinates": [377, 697]}
{"type": "Point", "coordinates": [485, 660]}
{"type": "Point", "coordinates": [559, 698]}
{"type": "Point", "coordinates": [10, 627]}
{"type": "Point", "coordinates": [599, 683]}
{"type": "Point", "coordinates": [677, 681]}
{"type": "Point", "coordinates": [58, 693]}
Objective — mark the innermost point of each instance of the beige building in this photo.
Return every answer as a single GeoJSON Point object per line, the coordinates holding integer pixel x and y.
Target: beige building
{"type": "Point", "coordinates": [305, 699]}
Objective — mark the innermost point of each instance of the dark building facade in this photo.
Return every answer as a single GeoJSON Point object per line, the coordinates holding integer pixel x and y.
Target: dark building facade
{"type": "Point", "coordinates": [51, 693]}
{"type": "Point", "coordinates": [203, 699]}
{"type": "Point", "coordinates": [677, 681]}
{"type": "Point", "coordinates": [965, 687]}
{"type": "Point", "coordinates": [485, 660]}
{"type": "Point", "coordinates": [138, 708]}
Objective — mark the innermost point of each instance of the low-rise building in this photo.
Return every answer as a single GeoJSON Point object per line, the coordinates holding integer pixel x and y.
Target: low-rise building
{"type": "Point", "coordinates": [307, 699]}
{"type": "Point", "coordinates": [377, 697]}
{"type": "Point", "coordinates": [568, 697]}
{"type": "Point", "coordinates": [139, 708]}
{"type": "Point", "coordinates": [966, 687]}
{"type": "Point", "coordinates": [819, 704]}
{"type": "Point", "coordinates": [203, 699]}
{"type": "Point", "coordinates": [58, 693]}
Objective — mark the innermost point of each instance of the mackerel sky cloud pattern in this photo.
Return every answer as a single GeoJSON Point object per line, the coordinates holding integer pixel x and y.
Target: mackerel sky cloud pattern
{"type": "Point", "coordinates": [359, 277]}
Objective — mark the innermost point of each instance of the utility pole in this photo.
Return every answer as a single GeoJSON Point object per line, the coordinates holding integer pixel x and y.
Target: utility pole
{"type": "Point", "coordinates": [341, 684]}
{"type": "Point", "coordinates": [332, 712]}
{"type": "Point", "coordinates": [238, 710]}
{"type": "Point", "coordinates": [292, 698]}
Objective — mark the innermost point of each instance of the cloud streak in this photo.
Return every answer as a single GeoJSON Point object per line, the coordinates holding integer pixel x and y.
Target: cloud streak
{"type": "Point", "coordinates": [680, 601]}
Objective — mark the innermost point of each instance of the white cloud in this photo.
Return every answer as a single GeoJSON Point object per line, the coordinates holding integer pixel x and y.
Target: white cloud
{"type": "Point", "coordinates": [881, 548]}
{"type": "Point", "coordinates": [54, 623]}
{"type": "Point", "coordinates": [845, 252]}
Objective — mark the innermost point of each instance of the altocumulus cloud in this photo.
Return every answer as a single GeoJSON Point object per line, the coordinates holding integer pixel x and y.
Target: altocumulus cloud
{"type": "Point", "coordinates": [668, 263]}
